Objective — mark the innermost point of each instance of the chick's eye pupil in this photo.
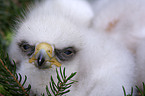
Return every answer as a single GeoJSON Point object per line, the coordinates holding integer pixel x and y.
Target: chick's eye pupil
{"type": "Point", "coordinates": [68, 52]}
{"type": "Point", "coordinates": [26, 47]}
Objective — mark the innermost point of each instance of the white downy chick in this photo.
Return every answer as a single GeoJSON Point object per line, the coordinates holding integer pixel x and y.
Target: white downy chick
{"type": "Point", "coordinates": [103, 66]}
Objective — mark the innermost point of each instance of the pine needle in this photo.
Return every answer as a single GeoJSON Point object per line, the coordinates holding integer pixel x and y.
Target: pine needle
{"type": "Point", "coordinates": [61, 87]}
{"type": "Point", "coordinates": [13, 77]}
{"type": "Point", "coordinates": [11, 81]}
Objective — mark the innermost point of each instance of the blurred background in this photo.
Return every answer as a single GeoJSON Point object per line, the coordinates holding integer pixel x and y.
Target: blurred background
{"type": "Point", "coordinates": [10, 12]}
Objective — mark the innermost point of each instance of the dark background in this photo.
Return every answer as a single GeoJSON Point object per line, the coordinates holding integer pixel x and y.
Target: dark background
{"type": "Point", "coordinates": [10, 12]}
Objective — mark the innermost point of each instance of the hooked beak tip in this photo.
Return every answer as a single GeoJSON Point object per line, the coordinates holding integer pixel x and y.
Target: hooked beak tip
{"type": "Point", "coordinates": [40, 59]}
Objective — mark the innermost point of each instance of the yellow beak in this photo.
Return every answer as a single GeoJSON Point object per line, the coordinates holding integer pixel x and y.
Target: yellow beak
{"type": "Point", "coordinates": [44, 52]}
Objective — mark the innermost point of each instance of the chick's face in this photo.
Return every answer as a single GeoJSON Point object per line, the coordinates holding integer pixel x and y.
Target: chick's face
{"type": "Point", "coordinates": [49, 44]}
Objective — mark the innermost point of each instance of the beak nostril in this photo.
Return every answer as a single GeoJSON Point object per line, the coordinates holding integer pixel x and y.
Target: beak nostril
{"type": "Point", "coordinates": [40, 60]}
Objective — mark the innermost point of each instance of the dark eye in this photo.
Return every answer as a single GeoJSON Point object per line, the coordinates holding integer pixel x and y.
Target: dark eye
{"type": "Point", "coordinates": [65, 54]}
{"type": "Point", "coordinates": [26, 48]}
{"type": "Point", "coordinates": [68, 51]}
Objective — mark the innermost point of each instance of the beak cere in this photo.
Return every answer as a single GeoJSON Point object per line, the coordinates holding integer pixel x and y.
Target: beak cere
{"type": "Point", "coordinates": [44, 57]}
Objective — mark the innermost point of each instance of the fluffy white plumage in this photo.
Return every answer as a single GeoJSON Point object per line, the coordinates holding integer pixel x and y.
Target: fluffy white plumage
{"type": "Point", "coordinates": [140, 60]}
{"type": "Point", "coordinates": [102, 65]}
{"type": "Point", "coordinates": [123, 20]}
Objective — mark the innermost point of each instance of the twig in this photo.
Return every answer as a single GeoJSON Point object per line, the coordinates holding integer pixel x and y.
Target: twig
{"type": "Point", "coordinates": [14, 77]}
